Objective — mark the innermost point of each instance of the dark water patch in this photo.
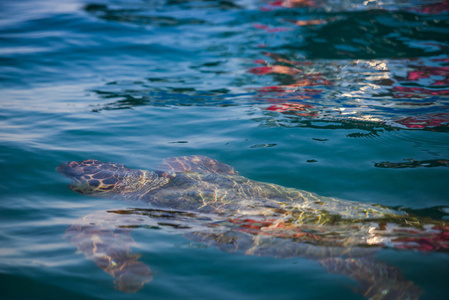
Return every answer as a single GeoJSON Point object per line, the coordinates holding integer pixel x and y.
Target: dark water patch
{"type": "Point", "coordinates": [11, 289]}
{"type": "Point", "coordinates": [117, 98]}
{"type": "Point", "coordinates": [378, 34]}
{"type": "Point", "coordinates": [362, 135]}
{"type": "Point", "coordinates": [137, 16]}
{"type": "Point", "coordinates": [263, 145]}
{"type": "Point", "coordinates": [411, 163]}
{"type": "Point", "coordinates": [355, 30]}
{"type": "Point", "coordinates": [437, 212]}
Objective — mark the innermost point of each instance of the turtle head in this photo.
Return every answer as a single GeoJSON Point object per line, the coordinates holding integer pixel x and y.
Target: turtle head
{"type": "Point", "coordinates": [93, 177]}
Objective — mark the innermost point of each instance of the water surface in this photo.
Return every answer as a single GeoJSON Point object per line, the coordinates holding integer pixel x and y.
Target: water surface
{"type": "Point", "coordinates": [347, 99]}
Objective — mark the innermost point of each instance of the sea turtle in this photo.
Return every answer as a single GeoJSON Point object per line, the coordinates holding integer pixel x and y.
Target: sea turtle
{"type": "Point", "coordinates": [213, 204]}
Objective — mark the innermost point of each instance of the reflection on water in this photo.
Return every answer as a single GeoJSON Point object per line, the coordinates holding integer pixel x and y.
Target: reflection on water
{"type": "Point", "coordinates": [360, 91]}
{"type": "Point", "coordinates": [352, 91]}
{"type": "Point", "coordinates": [361, 83]}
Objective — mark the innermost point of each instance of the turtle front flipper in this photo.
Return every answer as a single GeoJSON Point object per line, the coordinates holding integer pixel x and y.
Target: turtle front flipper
{"type": "Point", "coordinates": [104, 237]}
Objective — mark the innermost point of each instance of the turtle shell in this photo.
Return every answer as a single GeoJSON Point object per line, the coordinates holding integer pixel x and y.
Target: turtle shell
{"type": "Point", "coordinates": [196, 164]}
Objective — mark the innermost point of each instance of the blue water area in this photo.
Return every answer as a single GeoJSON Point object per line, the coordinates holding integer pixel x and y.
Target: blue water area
{"type": "Point", "coordinates": [345, 99]}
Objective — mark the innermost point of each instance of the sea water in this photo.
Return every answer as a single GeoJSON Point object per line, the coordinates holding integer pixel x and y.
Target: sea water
{"type": "Point", "coordinates": [347, 99]}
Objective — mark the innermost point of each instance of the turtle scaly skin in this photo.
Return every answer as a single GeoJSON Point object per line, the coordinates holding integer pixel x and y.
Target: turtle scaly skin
{"type": "Point", "coordinates": [213, 204]}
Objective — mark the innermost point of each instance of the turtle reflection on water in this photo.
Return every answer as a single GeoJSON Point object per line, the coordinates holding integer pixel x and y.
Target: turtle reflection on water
{"type": "Point", "coordinates": [212, 204]}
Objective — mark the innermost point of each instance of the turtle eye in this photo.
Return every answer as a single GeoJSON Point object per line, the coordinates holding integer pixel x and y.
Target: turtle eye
{"type": "Point", "coordinates": [73, 164]}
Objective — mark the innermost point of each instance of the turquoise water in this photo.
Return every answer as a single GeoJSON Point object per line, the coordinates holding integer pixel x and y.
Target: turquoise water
{"type": "Point", "coordinates": [346, 99]}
